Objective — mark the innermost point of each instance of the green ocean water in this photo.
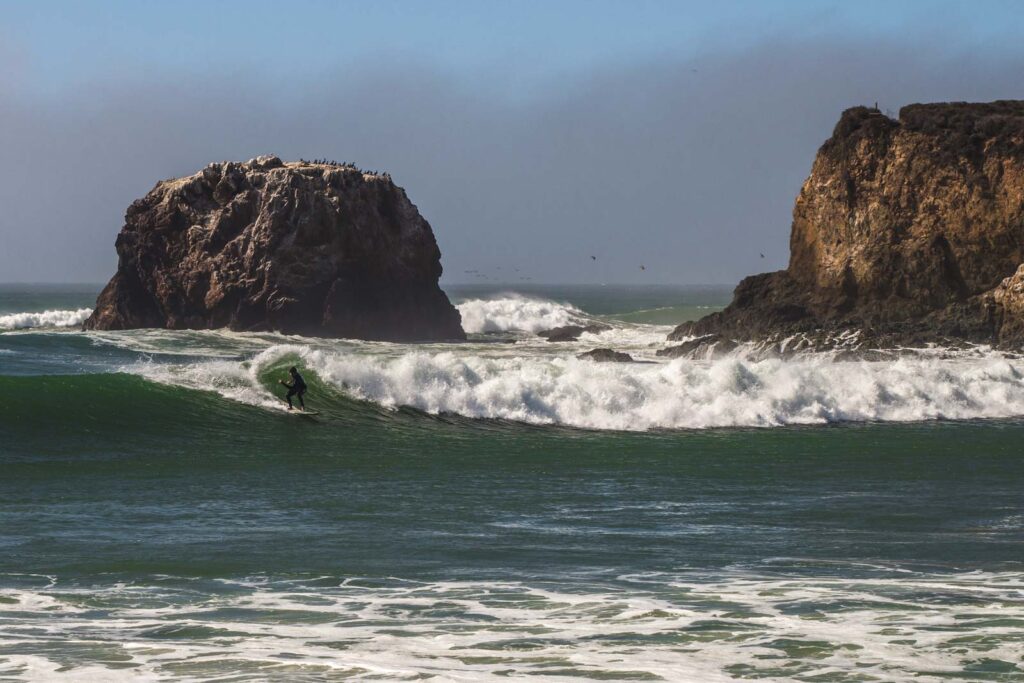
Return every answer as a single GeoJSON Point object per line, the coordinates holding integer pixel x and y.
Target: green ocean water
{"type": "Point", "coordinates": [498, 509]}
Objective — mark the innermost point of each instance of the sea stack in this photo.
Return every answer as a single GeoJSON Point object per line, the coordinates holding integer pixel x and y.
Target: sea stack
{"type": "Point", "coordinates": [906, 232]}
{"type": "Point", "coordinates": [300, 248]}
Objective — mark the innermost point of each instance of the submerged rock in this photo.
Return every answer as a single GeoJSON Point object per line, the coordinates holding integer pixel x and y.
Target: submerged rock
{"type": "Point", "coordinates": [910, 231]}
{"type": "Point", "coordinates": [298, 247]}
{"type": "Point", "coordinates": [567, 333]}
{"type": "Point", "coordinates": [606, 356]}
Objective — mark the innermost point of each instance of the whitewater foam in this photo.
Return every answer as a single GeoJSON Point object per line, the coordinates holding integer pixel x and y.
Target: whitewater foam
{"type": "Point", "coordinates": [559, 389]}
{"type": "Point", "coordinates": [679, 628]}
{"type": "Point", "coordinates": [55, 318]}
{"type": "Point", "coordinates": [238, 381]}
{"type": "Point", "coordinates": [516, 313]}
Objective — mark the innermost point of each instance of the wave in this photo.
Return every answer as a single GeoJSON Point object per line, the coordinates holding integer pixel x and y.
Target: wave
{"type": "Point", "coordinates": [516, 313]}
{"type": "Point", "coordinates": [95, 409]}
{"type": "Point", "coordinates": [238, 381]}
{"type": "Point", "coordinates": [681, 394]}
{"type": "Point", "coordinates": [55, 318]}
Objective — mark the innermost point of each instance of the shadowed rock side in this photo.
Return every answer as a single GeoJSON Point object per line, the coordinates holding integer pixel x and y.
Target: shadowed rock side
{"type": "Point", "coordinates": [300, 248]}
{"type": "Point", "coordinates": [907, 232]}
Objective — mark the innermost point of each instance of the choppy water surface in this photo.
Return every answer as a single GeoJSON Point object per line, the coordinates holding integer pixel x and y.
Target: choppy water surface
{"type": "Point", "coordinates": [500, 509]}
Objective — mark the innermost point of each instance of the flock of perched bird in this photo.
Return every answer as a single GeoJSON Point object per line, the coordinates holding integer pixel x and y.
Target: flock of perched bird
{"type": "Point", "coordinates": [344, 164]}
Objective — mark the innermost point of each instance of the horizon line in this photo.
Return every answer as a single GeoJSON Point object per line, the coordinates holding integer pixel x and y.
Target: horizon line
{"type": "Point", "coordinates": [102, 284]}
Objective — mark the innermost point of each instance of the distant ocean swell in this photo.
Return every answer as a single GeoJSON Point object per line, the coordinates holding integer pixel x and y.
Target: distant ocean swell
{"type": "Point", "coordinates": [21, 321]}
{"type": "Point", "coordinates": [512, 312]}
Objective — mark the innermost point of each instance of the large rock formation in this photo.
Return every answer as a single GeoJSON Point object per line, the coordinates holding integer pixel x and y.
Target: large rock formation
{"type": "Point", "coordinates": [907, 231]}
{"type": "Point", "coordinates": [301, 248]}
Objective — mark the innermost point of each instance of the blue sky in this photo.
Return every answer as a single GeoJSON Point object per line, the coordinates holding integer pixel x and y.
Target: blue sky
{"type": "Point", "coordinates": [524, 43]}
{"type": "Point", "coordinates": [674, 134]}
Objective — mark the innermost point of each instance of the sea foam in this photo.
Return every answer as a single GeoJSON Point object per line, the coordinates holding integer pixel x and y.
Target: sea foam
{"type": "Point", "coordinates": [559, 389]}
{"type": "Point", "coordinates": [680, 394]}
{"type": "Point", "coordinates": [56, 318]}
{"type": "Point", "coordinates": [650, 627]}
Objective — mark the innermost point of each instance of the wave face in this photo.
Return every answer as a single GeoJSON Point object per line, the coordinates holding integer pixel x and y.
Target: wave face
{"type": "Point", "coordinates": [545, 389]}
{"type": "Point", "coordinates": [514, 313]}
{"type": "Point", "coordinates": [57, 318]}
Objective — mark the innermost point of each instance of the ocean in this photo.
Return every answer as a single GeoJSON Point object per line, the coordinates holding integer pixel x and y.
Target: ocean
{"type": "Point", "coordinates": [499, 509]}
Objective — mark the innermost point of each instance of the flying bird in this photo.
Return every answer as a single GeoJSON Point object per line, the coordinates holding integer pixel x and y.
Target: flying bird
{"type": "Point", "coordinates": [643, 267]}
{"type": "Point", "coordinates": [762, 255]}
{"type": "Point", "coordinates": [593, 258]}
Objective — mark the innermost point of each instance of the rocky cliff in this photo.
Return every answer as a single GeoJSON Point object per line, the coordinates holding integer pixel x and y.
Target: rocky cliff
{"type": "Point", "coordinates": [301, 248]}
{"type": "Point", "coordinates": [906, 232]}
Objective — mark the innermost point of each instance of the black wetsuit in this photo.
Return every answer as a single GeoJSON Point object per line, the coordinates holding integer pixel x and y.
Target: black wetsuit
{"type": "Point", "coordinates": [296, 388]}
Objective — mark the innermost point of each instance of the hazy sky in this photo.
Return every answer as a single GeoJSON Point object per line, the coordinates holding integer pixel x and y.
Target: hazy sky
{"type": "Point", "coordinates": [530, 134]}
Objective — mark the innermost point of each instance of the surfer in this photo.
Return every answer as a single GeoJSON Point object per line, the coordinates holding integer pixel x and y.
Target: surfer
{"type": "Point", "coordinates": [296, 388]}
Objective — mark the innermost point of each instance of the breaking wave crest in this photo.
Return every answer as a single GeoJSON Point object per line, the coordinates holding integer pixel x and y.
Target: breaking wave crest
{"type": "Point", "coordinates": [57, 318]}
{"type": "Point", "coordinates": [514, 313]}
{"type": "Point", "coordinates": [682, 394]}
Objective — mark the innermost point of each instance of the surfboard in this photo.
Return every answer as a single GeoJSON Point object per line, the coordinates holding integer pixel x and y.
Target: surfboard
{"type": "Point", "coordinates": [307, 412]}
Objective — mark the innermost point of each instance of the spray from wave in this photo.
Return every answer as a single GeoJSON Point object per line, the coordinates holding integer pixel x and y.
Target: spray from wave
{"type": "Point", "coordinates": [515, 313]}
{"type": "Point", "coordinates": [728, 392]}
{"type": "Point", "coordinates": [57, 318]}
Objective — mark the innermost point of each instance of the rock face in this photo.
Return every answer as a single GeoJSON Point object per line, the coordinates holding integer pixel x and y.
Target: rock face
{"type": "Point", "coordinates": [907, 231]}
{"type": "Point", "coordinates": [710, 346]}
{"type": "Point", "coordinates": [301, 248]}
